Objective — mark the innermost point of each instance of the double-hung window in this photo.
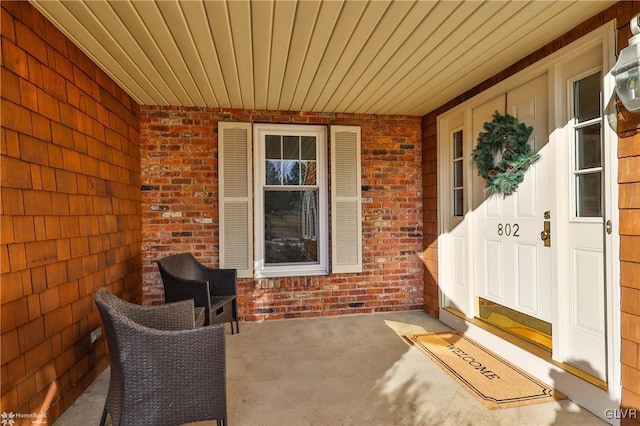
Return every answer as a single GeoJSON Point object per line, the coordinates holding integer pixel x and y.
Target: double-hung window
{"type": "Point", "coordinates": [290, 191]}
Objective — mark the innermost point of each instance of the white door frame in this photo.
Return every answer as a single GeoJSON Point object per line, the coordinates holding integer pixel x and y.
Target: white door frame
{"type": "Point", "coordinates": [589, 396]}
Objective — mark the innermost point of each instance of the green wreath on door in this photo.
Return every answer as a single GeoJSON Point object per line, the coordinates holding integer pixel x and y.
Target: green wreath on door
{"type": "Point", "coordinates": [503, 153]}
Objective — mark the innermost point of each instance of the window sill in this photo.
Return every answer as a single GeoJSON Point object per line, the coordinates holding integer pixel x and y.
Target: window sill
{"type": "Point", "coordinates": [282, 272]}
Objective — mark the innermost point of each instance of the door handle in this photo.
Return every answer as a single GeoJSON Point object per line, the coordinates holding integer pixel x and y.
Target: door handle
{"type": "Point", "coordinates": [545, 235]}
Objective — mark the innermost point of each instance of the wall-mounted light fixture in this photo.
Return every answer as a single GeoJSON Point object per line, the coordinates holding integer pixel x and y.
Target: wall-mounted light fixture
{"type": "Point", "coordinates": [627, 69]}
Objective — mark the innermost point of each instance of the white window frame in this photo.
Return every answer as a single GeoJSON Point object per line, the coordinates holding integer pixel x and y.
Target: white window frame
{"type": "Point", "coordinates": [574, 126]}
{"type": "Point", "coordinates": [262, 270]}
{"type": "Point", "coordinates": [461, 159]}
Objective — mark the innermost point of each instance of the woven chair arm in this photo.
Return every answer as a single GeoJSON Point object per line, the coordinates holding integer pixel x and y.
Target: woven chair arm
{"type": "Point", "coordinates": [171, 316]}
{"type": "Point", "coordinates": [222, 282]}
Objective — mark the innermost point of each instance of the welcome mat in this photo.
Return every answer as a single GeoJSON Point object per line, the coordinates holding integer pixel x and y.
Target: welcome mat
{"type": "Point", "coordinates": [491, 379]}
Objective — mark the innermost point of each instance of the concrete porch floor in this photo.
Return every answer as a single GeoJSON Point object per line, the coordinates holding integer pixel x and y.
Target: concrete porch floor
{"type": "Point", "coordinates": [352, 370]}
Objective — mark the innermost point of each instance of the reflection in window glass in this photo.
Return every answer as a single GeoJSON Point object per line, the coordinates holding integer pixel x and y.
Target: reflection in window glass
{"type": "Point", "coordinates": [273, 148]}
{"type": "Point", "coordinates": [291, 173]}
{"type": "Point", "coordinates": [587, 98]}
{"type": "Point", "coordinates": [291, 226]}
{"type": "Point", "coordinates": [308, 148]}
{"type": "Point", "coordinates": [291, 147]}
{"type": "Point", "coordinates": [458, 174]}
{"type": "Point", "coordinates": [273, 172]}
{"type": "Point", "coordinates": [457, 144]}
{"type": "Point", "coordinates": [589, 189]}
{"type": "Point", "coordinates": [308, 172]}
{"type": "Point", "coordinates": [290, 160]}
{"type": "Point", "coordinates": [458, 202]}
{"type": "Point", "coordinates": [588, 147]}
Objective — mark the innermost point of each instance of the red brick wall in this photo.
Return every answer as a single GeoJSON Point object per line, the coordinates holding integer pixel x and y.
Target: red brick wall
{"type": "Point", "coordinates": [70, 177]}
{"type": "Point", "coordinates": [180, 203]}
{"type": "Point", "coordinates": [629, 202]}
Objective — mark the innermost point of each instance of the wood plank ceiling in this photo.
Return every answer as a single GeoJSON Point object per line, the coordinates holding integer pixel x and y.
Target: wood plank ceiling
{"type": "Point", "coordinates": [382, 57]}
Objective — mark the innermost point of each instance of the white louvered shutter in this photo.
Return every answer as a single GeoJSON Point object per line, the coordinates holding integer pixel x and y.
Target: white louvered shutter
{"type": "Point", "coordinates": [346, 202]}
{"type": "Point", "coordinates": [235, 208]}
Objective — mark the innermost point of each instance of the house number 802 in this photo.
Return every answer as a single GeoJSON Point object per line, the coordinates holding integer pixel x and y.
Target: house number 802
{"type": "Point", "coordinates": [508, 229]}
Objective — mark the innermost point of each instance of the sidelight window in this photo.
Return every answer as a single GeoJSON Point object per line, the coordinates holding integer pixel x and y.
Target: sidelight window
{"type": "Point", "coordinates": [458, 174]}
{"type": "Point", "coordinates": [587, 147]}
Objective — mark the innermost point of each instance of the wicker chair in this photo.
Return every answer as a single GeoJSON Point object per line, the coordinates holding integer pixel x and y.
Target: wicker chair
{"type": "Point", "coordinates": [183, 277]}
{"type": "Point", "coordinates": [164, 370]}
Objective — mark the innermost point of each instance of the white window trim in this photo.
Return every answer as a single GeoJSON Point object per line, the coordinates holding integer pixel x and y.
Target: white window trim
{"type": "Point", "coordinates": [573, 125]}
{"type": "Point", "coordinates": [454, 160]}
{"type": "Point", "coordinates": [288, 270]}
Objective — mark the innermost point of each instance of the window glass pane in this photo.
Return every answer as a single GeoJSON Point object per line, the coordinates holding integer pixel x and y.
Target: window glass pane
{"type": "Point", "coordinates": [457, 173]}
{"type": "Point", "coordinates": [308, 144]}
{"type": "Point", "coordinates": [291, 148]}
{"type": "Point", "coordinates": [588, 147]}
{"type": "Point", "coordinates": [587, 98]}
{"type": "Point", "coordinates": [589, 195]}
{"type": "Point", "coordinates": [273, 147]}
{"type": "Point", "coordinates": [291, 226]}
{"type": "Point", "coordinates": [291, 175]}
{"type": "Point", "coordinates": [458, 202]}
{"type": "Point", "coordinates": [273, 172]}
{"type": "Point", "coordinates": [457, 144]}
{"type": "Point", "coordinates": [308, 173]}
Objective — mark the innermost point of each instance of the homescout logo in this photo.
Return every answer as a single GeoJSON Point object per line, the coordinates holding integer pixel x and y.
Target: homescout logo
{"type": "Point", "coordinates": [10, 419]}
{"type": "Point", "coordinates": [472, 362]}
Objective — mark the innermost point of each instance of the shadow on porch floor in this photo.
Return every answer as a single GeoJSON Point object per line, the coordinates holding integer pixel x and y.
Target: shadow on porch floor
{"type": "Point", "coordinates": [352, 370]}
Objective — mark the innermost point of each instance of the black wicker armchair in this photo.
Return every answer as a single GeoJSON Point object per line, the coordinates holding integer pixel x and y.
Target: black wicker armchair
{"type": "Point", "coordinates": [183, 277]}
{"type": "Point", "coordinates": [159, 375]}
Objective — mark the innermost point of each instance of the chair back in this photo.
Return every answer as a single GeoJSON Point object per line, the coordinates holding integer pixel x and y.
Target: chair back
{"type": "Point", "coordinates": [182, 265]}
{"type": "Point", "coordinates": [184, 277]}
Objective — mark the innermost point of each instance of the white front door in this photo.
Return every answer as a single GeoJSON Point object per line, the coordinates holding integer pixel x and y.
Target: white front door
{"type": "Point", "coordinates": [581, 336]}
{"type": "Point", "coordinates": [561, 282]}
{"type": "Point", "coordinates": [573, 285]}
{"type": "Point", "coordinates": [512, 264]}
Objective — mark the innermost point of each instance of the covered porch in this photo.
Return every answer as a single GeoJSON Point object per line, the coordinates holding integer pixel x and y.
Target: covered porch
{"type": "Point", "coordinates": [350, 370]}
{"type": "Point", "coordinates": [114, 155]}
